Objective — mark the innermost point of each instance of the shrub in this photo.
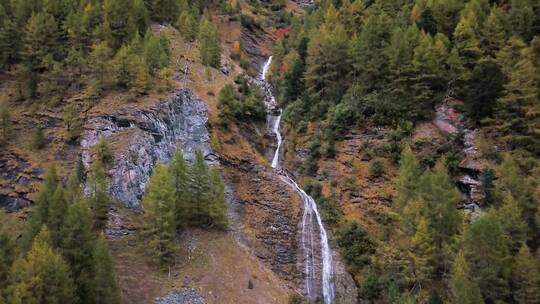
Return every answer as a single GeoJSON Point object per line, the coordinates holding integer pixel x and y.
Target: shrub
{"type": "Point", "coordinates": [355, 245]}
{"type": "Point", "coordinates": [38, 139]}
{"type": "Point", "coordinates": [376, 168]}
{"type": "Point", "coordinates": [102, 151]}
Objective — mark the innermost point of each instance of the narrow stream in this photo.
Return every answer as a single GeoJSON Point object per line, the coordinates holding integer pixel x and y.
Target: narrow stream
{"type": "Point", "coordinates": [318, 268]}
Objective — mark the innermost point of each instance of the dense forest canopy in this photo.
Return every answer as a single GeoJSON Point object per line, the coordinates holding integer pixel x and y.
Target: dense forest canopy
{"type": "Point", "coordinates": [386, 62]}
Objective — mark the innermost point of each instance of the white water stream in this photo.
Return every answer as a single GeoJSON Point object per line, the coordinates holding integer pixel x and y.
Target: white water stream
{"type": "Point", "coordinates": [315, 247]}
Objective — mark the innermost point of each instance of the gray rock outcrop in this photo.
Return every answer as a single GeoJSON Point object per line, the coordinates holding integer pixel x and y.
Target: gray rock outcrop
{"type": "Point", "coordinates": [142, 136]}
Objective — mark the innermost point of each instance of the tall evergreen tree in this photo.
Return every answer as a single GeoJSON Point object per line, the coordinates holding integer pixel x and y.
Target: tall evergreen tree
{"type": "Point", "coordinates": [41, 41]}
{"type": "Point", "coordinates": [199, 185]}
{"type": "Point", "coordinates": [42, 276]}
{"type": "Point", "coordinates": [486, 252]}
{"type": "Point", "coordinates": [326, 62]}
{"type": "Point", "coordinates": [217, 209]}
{"type": "Point", "coordinates": [98, 199]}
{"type": "Point", "coordinates": [118, 24]}
{"type": "Point", "coordinates": [521, 104]}
{"type": "Point", "coordinates": [105, 287]}
{"type": "Point", "coordinates": [441, 199]}
{"type": "Point", "coordinates": [40, 212]}
{"type": "Point", "coordinates": [512, 223]}
{"type": "Point", "coordinates": [422, 254]}
{"type": "Point", "coordinates": [467, 39]}
{"type": "Point", "coordinates": [7, 253]}
{"type": "Point", "coordinates": [484, 87]}
{"type": "Point", "coordinates": [209, 43]}
{"type": "Point", "coordinates": [77, 245]}
{"type": "Point", "coordinates": [463, 289]}
{"type": "Point", "coordinates": [494, 32]}
{"type": "Point", "coordinates": [409, 173]}
{"type": "Point", "coordinates": [369, 66]}
{"type": "Point", "coordinates": [525, 277]}
{"type": "Point", "coordinates": [159, 214]}
{"type": "Point", "coordinates": [10, 43]}
{"type": "Point", "coordinates": [180, 175]}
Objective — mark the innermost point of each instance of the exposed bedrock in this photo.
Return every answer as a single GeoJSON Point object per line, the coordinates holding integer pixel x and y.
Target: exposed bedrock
{"type": "Point", "coordinates": [142, 136]}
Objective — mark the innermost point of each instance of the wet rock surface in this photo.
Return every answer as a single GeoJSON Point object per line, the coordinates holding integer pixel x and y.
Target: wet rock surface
{"type": "Point", "coordinates": [182, 296]}
{"type": "Point", "coordinates": [140, 137]}
{"type": "Point", "coordinates": [269, 213]}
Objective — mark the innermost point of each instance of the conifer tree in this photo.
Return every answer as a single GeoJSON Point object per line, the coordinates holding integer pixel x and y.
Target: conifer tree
{"type": "Point", "coordinates": [422, 254]}
{"type": "Point", "coordinates": [141, 81]}
{"type": "Point", "coordinates": [7, 253]}
{"type": "Point", "coordinates": [467, 39]}
{"type": "Point", "coordinates": [409, 173]}
{"type": "Point", "coordinates": [5, 120]}
{"type": "Point", "coordinates": [123, 66]}
{"type": "Point", "coordinates": [141, 16]}
{"type": "Point", "coordinates": [463, 288]}
{"type": "Point", "coordinates": [99, 61]}
{"type": "Point", "coordinates": [40, 40]}
{"type": "Point", "coordinates": [159, 214]}
{"type": "Point", "coordinates": [326, 62]}
{"type": "Point", "coordinates": [118, 24]}
{"type": "Point", "coordinates": [199, 185]}
{"type": "Point", "coordinates": [105, 287]}
{"type": "Point", "coordinates": [525, 277]}
{"type": "Point", "coordinates": [512, 223]}
{"type": "Point", "coordinates": [514, 182]}
{"type": "Point", "coordinates": [56, 214]}
{"type": "Point", "coordinates": [486, 252]}
{"type": "Point", "coordinates": [72, 121]}
{"type": "Point", "coordinates": [187, 25]}
{"type": "Point", "coordinates": [441, 199]}
{"type": "Point", "coordinates": [217, 208]}
{"type": "Point", "coordinates": [494, 32]}
{"type": "Point", "coordinates": [484, 87]}
{"type": "Point", "coordinates": [40, 212]}
{"type": "Point", "coordinates": [10, 43]}
{"type": "Point", "coordinates": [179, 171]}
{"type": "Point", "coordinates": [42, 276]}
{"type": "Point", "coordinates": [77, 245]}
{"type": "Point", "coordinates": [521, 16]}
{"type": "Point", "coordinates": [520, 105]}
{"type": "Point", "coordinates": [99, 197]}
{"type": "Point", "coordinates": [155, 52]}
{"type": "Point", "coordinates": [209, 43]}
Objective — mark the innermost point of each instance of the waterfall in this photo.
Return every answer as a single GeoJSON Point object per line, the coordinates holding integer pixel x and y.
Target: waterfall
{"type": "Point", "coordinates": [313, 243]}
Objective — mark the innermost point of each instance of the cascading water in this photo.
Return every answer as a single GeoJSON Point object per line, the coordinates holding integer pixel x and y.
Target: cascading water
{"type": "Point", "coordinates": [314, 235]}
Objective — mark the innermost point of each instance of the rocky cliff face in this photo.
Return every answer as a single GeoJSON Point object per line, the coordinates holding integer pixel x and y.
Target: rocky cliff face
{"type": "Point", "coordinates": [140, 137]}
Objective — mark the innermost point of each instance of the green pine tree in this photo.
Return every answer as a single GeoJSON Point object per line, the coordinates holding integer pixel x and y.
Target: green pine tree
{"type": "Point", "coordinates": [160, 217]}
{"type": "Point", "coordinates": [42, 276]}
{"type": "Point", "coordinates": [77, 245]}
{"type": "Point", "coordinates": [209, 43]}
{"type": "Point", "coordinates": [422, 254]}
{"type": "Point", "coordinates": [463, 289]}
{"type": "Point", "coordinates": [40, 211]}
{"type": "Point", "coordinates": [409, 173]}
{"type": "Point", "coordinates": [40, 41]}
{"type": "Point", "coordinates": [179, 171]}
{"type": "Point", "coordinates": [512, 223]}
{"type": "Point", "coordinates": [7, 253]}
{"type": "Point", "coordinates": [105, 287]}
{"type": "Point", "coordinates": [98, 199]}
{"type": "Point", "coordinates": [217, 209]}
{"type": "Point", "coordinates": [525, 277]}
{"type": "Point", "coordinates": [199, 188]}
{"type": "Point", "coordinates": [486, 251]}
